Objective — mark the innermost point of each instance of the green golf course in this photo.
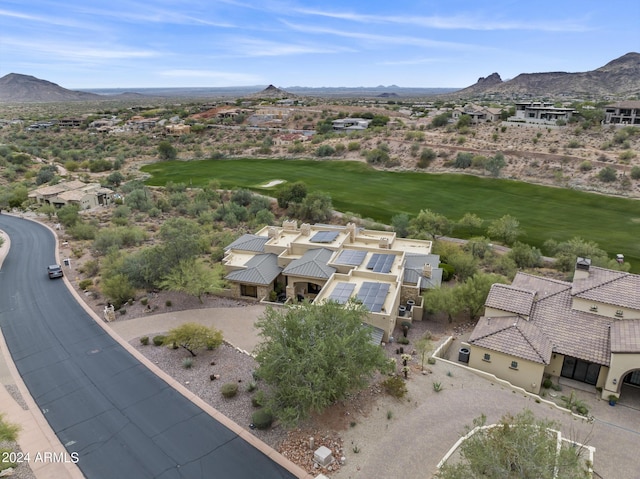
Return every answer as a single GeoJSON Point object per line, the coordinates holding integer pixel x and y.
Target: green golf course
{"type": "Point", "coordinates": [543, 212]}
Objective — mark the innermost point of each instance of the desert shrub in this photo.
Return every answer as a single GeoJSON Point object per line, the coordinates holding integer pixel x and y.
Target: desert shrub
{"type": "Point", "coordinates": [251, 386]}
{"type": "Point", "coordinates": [607, 174]}
{"type": "Point", "coordinates": [168, 303]}
{"type": "Point", "coordinates": [90, 268]}
{"type": "Point", "coordinates": [85, 283]}
{"type": "Point", "coordinates": [627, 155]}
{"type": "Point", "coordinates": [574, 144]}
{"type": "Point", "coordinates": [144, 340]}
{"type": "Point", "coordinates": [635, 172]}
{"type": "Point", "coordinates": [187, 363]}
{"type": "Point", "coordinates": [585, 166]}
{"type": "Point", "coordinates": [159, 340]}
{"type": "Point", "coordinates": [403, 340]}
{"type": "Point", "coordinates": [353, 146]}
{"type": "Point", "coordinates": [229, 390]}
{"type": "Point", "coordinates": [258, 399]}
{"type": "Point", "coordinates": [547, 383]}
{"type": "Point", "coordinates": [395, 386]}
{"type": "Point", "coordinates": [426, 157]}
{"type": "Point", "coordinates": [325, 150]}
{"type": "Point", "coordinates": [463, 160]}
{"type": "Point", "coordinates": [262, 419]}
{"type": "Point", "coordinates": [448, 271]}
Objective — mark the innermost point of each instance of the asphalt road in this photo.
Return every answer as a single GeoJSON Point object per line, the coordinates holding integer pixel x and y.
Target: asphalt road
{"type": "Point", "coordinates": [120, 419]}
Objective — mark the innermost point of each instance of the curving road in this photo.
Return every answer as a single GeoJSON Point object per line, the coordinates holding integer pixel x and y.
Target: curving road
{"type": "Point", "coordinates": [121, 419]}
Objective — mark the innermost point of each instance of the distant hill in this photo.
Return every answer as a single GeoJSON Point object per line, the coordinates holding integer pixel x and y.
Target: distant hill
{"type": "Point", "coordinates": [272, 92]}
{"type": "Point", "coordinates": [18, 88]}
{"type": "Point", "coordinates": [620, 77]}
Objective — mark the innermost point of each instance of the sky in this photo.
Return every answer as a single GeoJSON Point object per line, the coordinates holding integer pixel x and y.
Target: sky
{"type": "Point", "coordinates": [310, 43]}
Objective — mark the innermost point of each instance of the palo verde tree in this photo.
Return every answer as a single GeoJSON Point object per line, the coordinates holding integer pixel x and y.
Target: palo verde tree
{"type": "Point", "coordinates": [429, 224]}
{"type": "Point", "coordinates": [313, 355]}
{"type": "Point", "coordinates": [194, 278]}
{"type": "Point", "coordinates": [518, 446]}
{"type": "Point", "coordinates": [194, 336]}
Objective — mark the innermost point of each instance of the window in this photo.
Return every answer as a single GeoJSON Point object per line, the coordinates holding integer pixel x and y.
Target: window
{"type": "Point", "coordinates": [313, 288]}
{"type": "Point", "coordinates": [487, 357]}
{"type": "Point", "coordinates": [514, 365]}
{"type": "Point", "coordinates": [249, 290]}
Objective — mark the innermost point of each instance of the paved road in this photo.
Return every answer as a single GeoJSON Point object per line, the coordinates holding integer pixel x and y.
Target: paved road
{"type": "Point", "coordinates": [119, 417]}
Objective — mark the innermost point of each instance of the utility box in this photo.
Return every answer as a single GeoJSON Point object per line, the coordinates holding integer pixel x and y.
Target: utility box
{"type": "Point", "coordinates": [323, 456]}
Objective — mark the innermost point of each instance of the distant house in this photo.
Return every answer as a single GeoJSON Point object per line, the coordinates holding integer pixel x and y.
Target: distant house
{"type": "Point", "coordinates": [587, 330]}
{"type": "Point", "coordinates": [70, 123]}
{"type": "Point", "coordinates": [478, 114]}
{"type": "Point", "coordinates": [543, 113]}
{"type": "Point", "coordinates": [335, 263]}
{"type": "Point", "coordinates": [85, 196]}
{"type": "Point", "coordinates": [623, 113]}
{"type": "Point", "coordinates": [350, 124]}
{"type": "Point", "coordinates": [177, 130]}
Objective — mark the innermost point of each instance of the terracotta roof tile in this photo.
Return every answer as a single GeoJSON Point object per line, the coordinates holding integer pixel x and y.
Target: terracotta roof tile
{"type": "Point", "coordinates": [625, 336]}
{"type": "Point", "coordinates": [510, 298]}
{"type": "Point", "coordinates": [607, 286]}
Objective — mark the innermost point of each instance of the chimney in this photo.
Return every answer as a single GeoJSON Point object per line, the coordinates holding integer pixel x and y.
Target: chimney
{"type": "Point", "coordinates": [351, 228]}
{"type": "Point", "coordinates": [305, 229]}
{"type": "Point", "coordinates": [290, 225]}
{"type": "Point", "coordinates": [426, 270]}
{"type": "Point", "coordinates": [384, 243]}
{"type": "Point", "coordinates": [582, 268]}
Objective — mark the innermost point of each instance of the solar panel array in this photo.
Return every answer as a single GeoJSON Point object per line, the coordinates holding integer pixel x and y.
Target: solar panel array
{"type": "Point", "coordinates": [373, 295]}
{"type": "Point", "coordinates": [351, 257]}
{"type": "Point", "coordinates": [342, 292]}
{"type": "Point", "coordinates": [324, 236]}
{"type": "Point", "coordinates": [381, 263]}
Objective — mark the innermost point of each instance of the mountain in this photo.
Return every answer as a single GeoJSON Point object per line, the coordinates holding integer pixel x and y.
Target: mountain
{"type": "Point", "coordinates": [18, 88]}
{"type": "Point", "coordinates": [620, 77]}
{"type": "Point", "coordinates": [272, 92]}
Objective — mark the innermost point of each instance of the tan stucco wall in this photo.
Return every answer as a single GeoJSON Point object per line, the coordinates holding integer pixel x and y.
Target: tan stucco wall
{"type": "Point", "coordinates": [528, 375]}
{"type": "Point", "coordinates": [554, 368]}
{"type": "Point", "coordinates": [621, 364]}
{"type": "Point", "coordinates": [606, 310]}
{"type": "Point", "coordinates": [496, 313]}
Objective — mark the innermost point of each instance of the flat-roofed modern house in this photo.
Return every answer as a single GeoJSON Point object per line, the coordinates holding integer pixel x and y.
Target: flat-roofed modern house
{"type": "Point", "coordinates": [541, 112]}
{"type": "Point", "coordinates": [587, 330]}
{"type": "Point", "coordinates": [623, 113]}
{"type": "Point", "coordinates": [335, 263]}
{"type": "Point", "coordinates": [350, 124]}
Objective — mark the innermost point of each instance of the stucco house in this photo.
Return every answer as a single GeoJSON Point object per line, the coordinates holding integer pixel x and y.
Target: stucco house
{"type": "Point", "coordinates": [335, 263]}
{"type": "Point", "coordinates": [543, 113]}
{"type": "Point", "coordinates": [350, 124]}
{"type": "Point", "coordinates": [587, 330]}
{"type": "Point", "coordinates": [85, 195]}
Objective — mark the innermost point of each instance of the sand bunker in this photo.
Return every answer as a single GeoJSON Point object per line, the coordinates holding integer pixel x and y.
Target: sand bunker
{"type": "Point", "coordinates": [272, 183]}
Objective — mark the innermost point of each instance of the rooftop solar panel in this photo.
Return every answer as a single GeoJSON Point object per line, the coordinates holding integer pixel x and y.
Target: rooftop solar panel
{"type": "Point", "coordinates": [324, 236]}
{"type": "Point", "coordinates": [351, 257]}
{"type": "Point", "coordinates": [342, 292]}
{"type": "Point", "coordinates": [373, 295]}
{"type": "Point", "coordinates": [381, 263]}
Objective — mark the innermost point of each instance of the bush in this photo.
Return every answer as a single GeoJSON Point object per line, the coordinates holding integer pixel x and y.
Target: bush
{"type": "Point", "coordinates": [448, 271]}
{"type": "Point", "coordinates": [144, 340]}
{"type": "Point", "coordinates": [187, 363]}
{"type": "Point", "coordinates": [607, 174]}
{"type": "Point", "coordinates": [85, 283]}
{"type": "Point", "coordinates": [635, 172]}
{"type": "Point", "coordinates": [402, 340]}
{"type": "Point", "coordinates": [258, 399]}
{"type": "Point", "coordinates": [395, 386]}
{"type": "Point", "coordinates": [262, 419]}
{"type": "Point", "coordinates": [168, 303]}
{"type": "Point", "coordinates": [547, 383]}
{"type": "Point", "coordinates": [159, 340]}
{"type": "Point", "coordinates": [229, 390]}
{"type": "Point", "coordinates": [585, 166]}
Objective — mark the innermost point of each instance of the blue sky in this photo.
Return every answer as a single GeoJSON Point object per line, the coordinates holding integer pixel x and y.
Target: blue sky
{"type": "Point", "coordinates": [410, 43]}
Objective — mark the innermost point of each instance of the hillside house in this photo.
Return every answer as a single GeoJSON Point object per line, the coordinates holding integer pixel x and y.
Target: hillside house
{"type": "Point", "coordinates": [543, 113]}
{"type": "Point", "coordinates": [587, 330]}
{"type": "Point", "coordinates": [478, 114]}
{"type": "Point", "coordinates": [350, 124]}
{"type": "Point", "coordinates": [334, 263]}
{"type": "Point", "coordinates": [85, 196]}
{"type": "Point", "coordinates": [623, 113]}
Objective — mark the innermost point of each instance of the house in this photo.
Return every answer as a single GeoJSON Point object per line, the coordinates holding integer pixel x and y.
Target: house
{"type": "Point", "coordinates": [335, 263]}
{"type": "Point", "coordinates": [478, 114]}
{"type": "Point", "coordinates": [350, 124]}
{"type": "Point", "coordinates": [177, 130]}
{"type": "Point", "coordinates": [75, 192]}
{"type": "Point", "coordinates": [587, 330]}
{"type": "Point", "coordinates": [623, 113]}
{"type": "Point", "coordinates": [542, 113]}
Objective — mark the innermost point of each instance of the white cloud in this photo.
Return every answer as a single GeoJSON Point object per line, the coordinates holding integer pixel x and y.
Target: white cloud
{"type": "Point", "coordinates": [253, 47]}
{"type": "Point", "coordinates": [225, 78]}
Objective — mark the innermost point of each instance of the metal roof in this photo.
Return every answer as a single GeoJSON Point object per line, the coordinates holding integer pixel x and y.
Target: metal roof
{"type": "Point", "coordinates": [261, 269]}
{"type": "Point", "coordinates": [413, 269]}
{"type": "Point", "coordinates": [249, 242]}
{"type": "Point", "coordinates": [313, 264]}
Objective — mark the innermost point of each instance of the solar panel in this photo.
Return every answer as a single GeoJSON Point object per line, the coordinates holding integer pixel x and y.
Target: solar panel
{"type": "Point", "coordinates": [351, 257]}
{"type": "Point", "coordinates": [324, 236]}
{"type": "Point", "coordinates": [381, 263]}
{"type": "Point", "coordinates": [373, 295]}
{"type": "Point", "coordinates": [342, 292]}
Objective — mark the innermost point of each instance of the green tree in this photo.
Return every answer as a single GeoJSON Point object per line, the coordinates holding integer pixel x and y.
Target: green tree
{"type": "Point", "coordinates": [46, 174]}
{"type": "Point", "coordinates": [166, 151]}
{"type": "Point", "coordinates": [291, 193]}
{"type": "Point", "coordinates": [429, 224]}
{"type": "Point", "coordinates": [181, 240]}
{"type": "Point", "coordinates": [525, 256]}
{"type": "Point", "coordinates": [443, 300]}
{"type": "Point", "coordinates": [470, 222]}
{"type": "Point", "coordinates": [325, 150]}
{"type": "Point", "coordinates": [440, 120]}
{"type": "Point", "coordinates": [314, 355]}
{"type": "Point", "coordinates": [505, 229]}
{"type": "Point", "coordinates": [518, 446]}
{"type": "Point", "coordinates": [115, 178]}
{"type": "Point", "coordinates": [194, 336]}
{"type": "Point", "coordinates": [315, 207]}
{"type": "Point", "coordinates": [139, 199]}
{"type": "Point", "coordinates": [495, 164]}
{"type": "Point", "coordinates": [474, 291]}
{"type": "Point", "coordinates": [635, 172]}
{"type": "Point", "coordinates": [463, 160]}
{"type": "Point", "coordinates": [377, 156]}
{"type": "Point", "coordinates": [194, 278]}
{"type": "Point", "coordinates": [47, 209]}
{"type": "Point", "coordinates": [400, 224]}
{"type": "Point", "coordinates": [118, 289]}
{"type": "Point", "coordinates": [423, 346]}
{"type": "Point", "coordinates": [567, 252]}
{"type": "Point", "coordinates": [465, 264]}
{"type": "Point", "coordinates": [68, 215]}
